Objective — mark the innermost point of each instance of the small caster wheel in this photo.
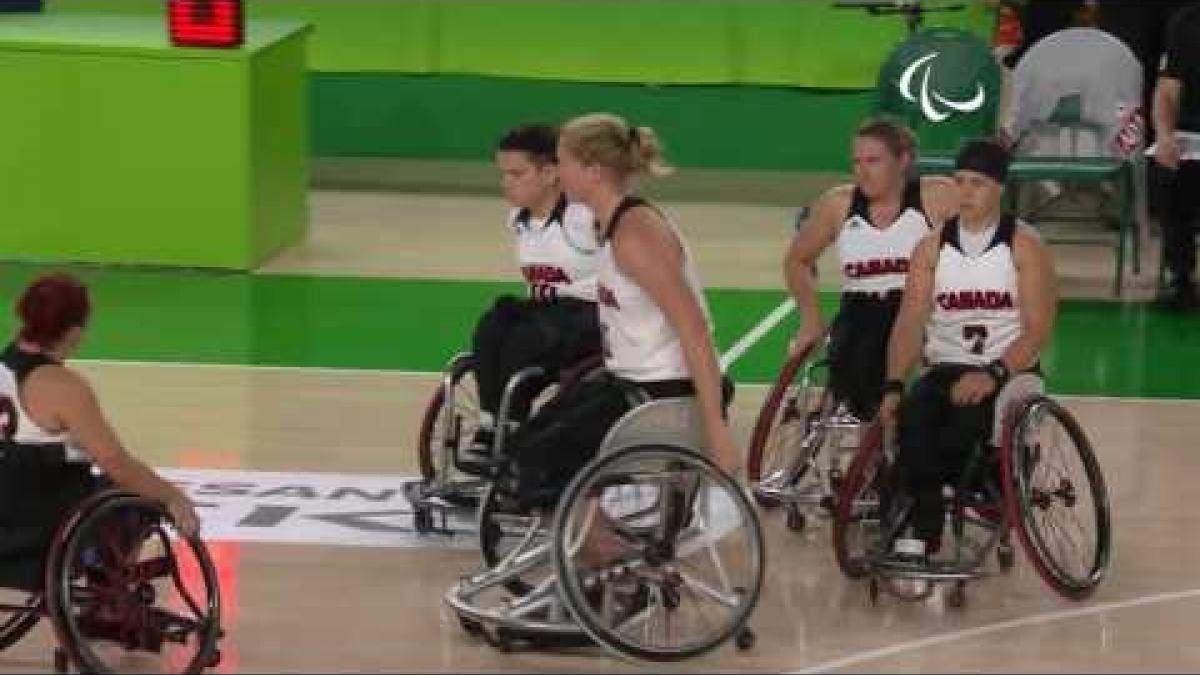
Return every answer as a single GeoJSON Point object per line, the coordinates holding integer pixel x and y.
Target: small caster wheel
{"type": "Point", "coordinates": [873, 591]}
{"type": "Point", "coordinates": [61, 663]}
{"type": "Point", "coordinates": [422, 520]}
{"type": "Point", "coordinates": [1005, 556]}
{"type": "Point", "coordinates": [743, 640]}
{"type": "Point", "coordinates": [796, 521]}
{"type": "Point", "coordinates": [505, 641]}
{"type": "Point", "coordinates": [956, 597]}
{"type": "Point", "coordinates": [470, 626]}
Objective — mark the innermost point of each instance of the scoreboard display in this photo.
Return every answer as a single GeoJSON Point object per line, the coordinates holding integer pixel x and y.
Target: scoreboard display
{"type": "Point", "coordinates": [206, 23]}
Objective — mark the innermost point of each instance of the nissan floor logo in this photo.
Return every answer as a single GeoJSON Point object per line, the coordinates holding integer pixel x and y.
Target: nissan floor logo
{"type": "Point", "coordinates": [934, 106]}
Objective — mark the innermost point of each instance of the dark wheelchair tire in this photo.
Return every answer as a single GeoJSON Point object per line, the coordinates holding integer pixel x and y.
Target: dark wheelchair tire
{"type": "Point", "coordinates": [68, 546]}
{"type": "Point", "coordinates": [1016, 466]}
{"type": "Point", "coordinates": [863, 475]}
{"type": "Point", "coordinates": [768, 420]}
{"type": "Point", "coordinates": [425, 451]}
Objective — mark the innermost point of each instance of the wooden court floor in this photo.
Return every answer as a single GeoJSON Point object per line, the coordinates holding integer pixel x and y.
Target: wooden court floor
{"type": "Point", "coordinates": [309, 606]}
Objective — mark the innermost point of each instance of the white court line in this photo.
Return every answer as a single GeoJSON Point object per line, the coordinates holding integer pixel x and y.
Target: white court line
{"type": "Point", "coordinates": [1036, 619]}
{"type": "Point", "coordinates": [748, 340]}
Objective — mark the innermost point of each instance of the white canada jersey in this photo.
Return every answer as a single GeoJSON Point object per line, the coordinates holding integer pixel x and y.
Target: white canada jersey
{"type": "Point", "coordinates": [16, 426]}
{"type": "Point", "coordinates": [639, 342]}
{"type": "Point", "coordinates": [557, 255]}
{"type": "Point", "coordinates": [975, 316]}
{"type": "Point", "coordinates": [875, 259]}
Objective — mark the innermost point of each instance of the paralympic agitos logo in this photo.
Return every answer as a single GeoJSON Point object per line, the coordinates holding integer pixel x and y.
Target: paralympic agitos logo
{"type": "Point", "coordinates": [934, 105]}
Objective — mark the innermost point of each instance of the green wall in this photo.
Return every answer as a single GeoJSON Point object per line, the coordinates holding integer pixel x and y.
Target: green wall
{"type": "Point", "coordinates": [739, 84]}
{"type": "Point", "coordinates": [802, 43]}
{"type": "Point", "coordinates": [460, 117]}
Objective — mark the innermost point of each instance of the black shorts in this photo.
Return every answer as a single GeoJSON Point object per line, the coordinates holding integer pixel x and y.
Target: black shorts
{"type": "Point", "coordinates": [38, 490]}
{"type": "Point", "coordinates": [858, 342]}
{"type": "Point", "coordinates": [517, 333]}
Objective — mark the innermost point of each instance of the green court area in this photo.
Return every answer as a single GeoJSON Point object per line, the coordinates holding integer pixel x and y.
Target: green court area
{"type": "Point", "coordinates": [1099, 347]}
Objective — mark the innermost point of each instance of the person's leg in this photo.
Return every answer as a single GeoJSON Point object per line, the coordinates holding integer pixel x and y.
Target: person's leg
{"type": "Point", "coordinates": [1180, 208]}
{"type": "Point", "coordinates": [841, 353]}
{"type": "Point", "coordinates": [487, 342]}
{"type": "Point", "coordinates": [561, 437]}
{"type": "Point", "coordinates": [534, 340]}
{"type": "Point", "coordinates": [922, 415]}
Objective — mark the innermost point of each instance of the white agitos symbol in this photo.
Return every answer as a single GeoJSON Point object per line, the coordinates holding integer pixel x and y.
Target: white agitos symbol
{"type": "Point", "coordinates": [929, 97]}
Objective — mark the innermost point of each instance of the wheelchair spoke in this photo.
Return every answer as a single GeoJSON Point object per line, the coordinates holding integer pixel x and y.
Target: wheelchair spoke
{"type": "Point", "coordinates": [691, 581]}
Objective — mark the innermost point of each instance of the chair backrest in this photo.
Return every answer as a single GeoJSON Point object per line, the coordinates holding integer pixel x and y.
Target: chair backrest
{"type": "Point", "coordinates": [668, 421]}
{"type": "Point", "coordinates": [1078, 79]}
{"type": "Point", "coordinates": [945, 84]}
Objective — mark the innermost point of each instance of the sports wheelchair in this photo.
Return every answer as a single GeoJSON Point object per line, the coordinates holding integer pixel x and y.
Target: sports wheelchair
{"type": "Point", "coordinates": [683, 554]}
{"type": "Point", "coordinates": [450, 480]}
{"type": "Point", "coordinates": [122, 588]}
{"type": "Point", "coordinates": [801, 441]}
{"type": "Point", "coordinates": [1043, 481]}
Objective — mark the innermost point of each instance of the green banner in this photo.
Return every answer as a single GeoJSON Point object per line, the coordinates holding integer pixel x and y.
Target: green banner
{"type": "Point", "coordinates": [798, 43]}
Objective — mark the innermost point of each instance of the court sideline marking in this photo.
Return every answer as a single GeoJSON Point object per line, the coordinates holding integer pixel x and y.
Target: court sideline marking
{"type": "Point", "coordinates": [968, 633]}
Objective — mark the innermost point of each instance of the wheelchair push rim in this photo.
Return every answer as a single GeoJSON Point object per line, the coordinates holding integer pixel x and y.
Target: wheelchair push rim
{"type": "Point", "coordinates": [857, 517]}
{"type": "Point", "coordinates": [433, 440]}
{"type": "Point", "coordinates": [685, 555]}
{"type": "Point", "coordinates": [1056, 493]}
{"type": "Point", "coordinates": [127, 591]}
{"type": "Point", "coordinates": [764, 455]}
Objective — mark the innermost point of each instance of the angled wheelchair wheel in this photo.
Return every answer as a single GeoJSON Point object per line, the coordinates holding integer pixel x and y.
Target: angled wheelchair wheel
{"type": "Point", "coordinates": [857, 521]}
{"type": "Point", "coordinates": [659, 555]}
{"type": "Point", "coordinates": [1055, 490]}
{"type": "Point", "coordinates": [441, 437]}
{"type": "Point", "coordinates": [126, 592]}
{"type": "Point", "coordinates": [780, 432]}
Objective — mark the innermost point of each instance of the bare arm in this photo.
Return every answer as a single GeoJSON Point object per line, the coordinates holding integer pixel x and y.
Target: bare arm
{"type": "Point", "coordinates": [1167, 94]}
{"type": "Point", "coordinates": [77, 411]}
{"type": "Point", "coordinates": [908, 333]}
{"type": "Point", "coordinates": [648, 252]}
{"type": "Point", "coordinates": [807, 246]}
{"type": "Point", "coordinates": [1037, 301]}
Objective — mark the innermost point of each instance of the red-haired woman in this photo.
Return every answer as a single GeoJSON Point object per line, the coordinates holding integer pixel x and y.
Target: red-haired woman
{"type": "Point", "coordinates": [52, 429]}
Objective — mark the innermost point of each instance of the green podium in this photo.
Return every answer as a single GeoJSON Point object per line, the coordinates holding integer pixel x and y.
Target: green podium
{"type": "Point", "coordinates": [116, 147]}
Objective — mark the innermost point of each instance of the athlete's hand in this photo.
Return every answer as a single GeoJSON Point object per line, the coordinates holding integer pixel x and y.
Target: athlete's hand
{"type": "Point", "coordinates": [1167, 154]}
{"type": "Point", "coordinates": [805, 338]}
{"type": "Point", "coordinates": [972, 388]}
{"type": "Point", "coordinates": [183, 514]}
{"type": "Point", "coordinates": [727, 455]}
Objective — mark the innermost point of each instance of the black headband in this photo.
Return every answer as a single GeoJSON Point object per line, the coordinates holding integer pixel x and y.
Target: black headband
{"type": "Point", "coordinates": [986, 157]}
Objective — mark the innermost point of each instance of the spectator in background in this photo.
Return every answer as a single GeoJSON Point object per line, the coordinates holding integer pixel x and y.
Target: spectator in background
{"type": "Point", "coordinates": [1177, 154]}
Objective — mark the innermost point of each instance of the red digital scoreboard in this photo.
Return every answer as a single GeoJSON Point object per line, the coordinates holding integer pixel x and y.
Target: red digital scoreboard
{"type": "Point", "coordinates": [206, 23]}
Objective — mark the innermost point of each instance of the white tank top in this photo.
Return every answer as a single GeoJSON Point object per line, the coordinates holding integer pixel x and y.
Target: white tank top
{"type": "Point", "coordinates": [639, 342]}
{"type": "Point", "coordinates": [557, 255]}
{"type": "Point", "coordinates": [875, 259]}
{"type": "Point", "coordinates": [16, 425]}
{"type": "Point", "coordinates": [975, 316]}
